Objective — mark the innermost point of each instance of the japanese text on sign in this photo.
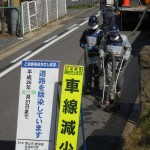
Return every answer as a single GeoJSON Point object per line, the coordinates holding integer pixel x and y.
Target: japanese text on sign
{"type": "Point", "coordinates": [37, 105]}
{"type": "Point", "coordinates": [70, 107]}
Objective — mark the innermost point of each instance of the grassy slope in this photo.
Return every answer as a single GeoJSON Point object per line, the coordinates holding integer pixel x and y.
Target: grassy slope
{"type": "Point", "coordinates": [139, 138]}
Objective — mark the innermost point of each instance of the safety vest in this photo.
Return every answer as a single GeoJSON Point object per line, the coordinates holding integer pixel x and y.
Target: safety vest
{"type": "Point", "coordinates": [92, 39]}
{"type": "Point", "coordinates": [116, 47]}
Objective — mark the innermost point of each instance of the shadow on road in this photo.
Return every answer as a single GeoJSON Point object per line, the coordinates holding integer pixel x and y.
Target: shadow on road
{"type": "Point", "coordinates": [102, 142]}
{"type": "Point", "coordinates": [102, 138]}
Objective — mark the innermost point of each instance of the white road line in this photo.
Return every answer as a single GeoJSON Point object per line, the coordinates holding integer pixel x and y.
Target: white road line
{"type": "Point", "coordinates": [86, 18]}
{"type": "Point", "coordinates": [21, 56]}
{"type": "Point", "coordinates": [40, 49]}
{"type": "Point", "coordinates": [73, 26]}
{"type": "Point", "coordinates": [50, 39]}
{"type": "Point", "coordinates": [20, 38]}
{"type": "Point", "coordinates": [98, 13]}
{"type": "Point", "coordinates": [36, 52]}
{"type": "Point", "coordinates": [83, 23]}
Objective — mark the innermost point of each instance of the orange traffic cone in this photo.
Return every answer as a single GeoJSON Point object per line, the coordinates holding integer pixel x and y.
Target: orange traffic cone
{"type": "Point", "coordinates": [126, 3]}
{"type": "Point", "coordinates": [147, 2]}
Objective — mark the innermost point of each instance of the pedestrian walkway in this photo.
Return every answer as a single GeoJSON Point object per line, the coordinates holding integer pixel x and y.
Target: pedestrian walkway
{"type": "Point", "coordinates": [6, 40]}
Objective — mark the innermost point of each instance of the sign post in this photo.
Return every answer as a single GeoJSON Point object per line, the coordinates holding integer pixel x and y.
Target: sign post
{"type": "Point", "coordinates": [68, 124]}
{"type": "Point", "coordinates": [37, 105]}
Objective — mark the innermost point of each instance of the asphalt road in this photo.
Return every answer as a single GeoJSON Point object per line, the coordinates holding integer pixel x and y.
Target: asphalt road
{"type": "Point", "coordinates": [102, 130]}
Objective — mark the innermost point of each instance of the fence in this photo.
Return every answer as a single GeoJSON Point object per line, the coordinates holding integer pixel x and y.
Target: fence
{"type": "Point", "coordinates": [31, 16]}
{"type": "Point", "coordinates": [40, 12]}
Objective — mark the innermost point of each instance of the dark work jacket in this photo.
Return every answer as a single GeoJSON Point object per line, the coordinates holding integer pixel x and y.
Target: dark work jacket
{"type": "Point", "coordinates": [96, 34]}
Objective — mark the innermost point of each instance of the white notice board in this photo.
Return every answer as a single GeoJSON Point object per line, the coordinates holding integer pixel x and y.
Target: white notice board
{"type": "Point", "coordinates": [37, 105]}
